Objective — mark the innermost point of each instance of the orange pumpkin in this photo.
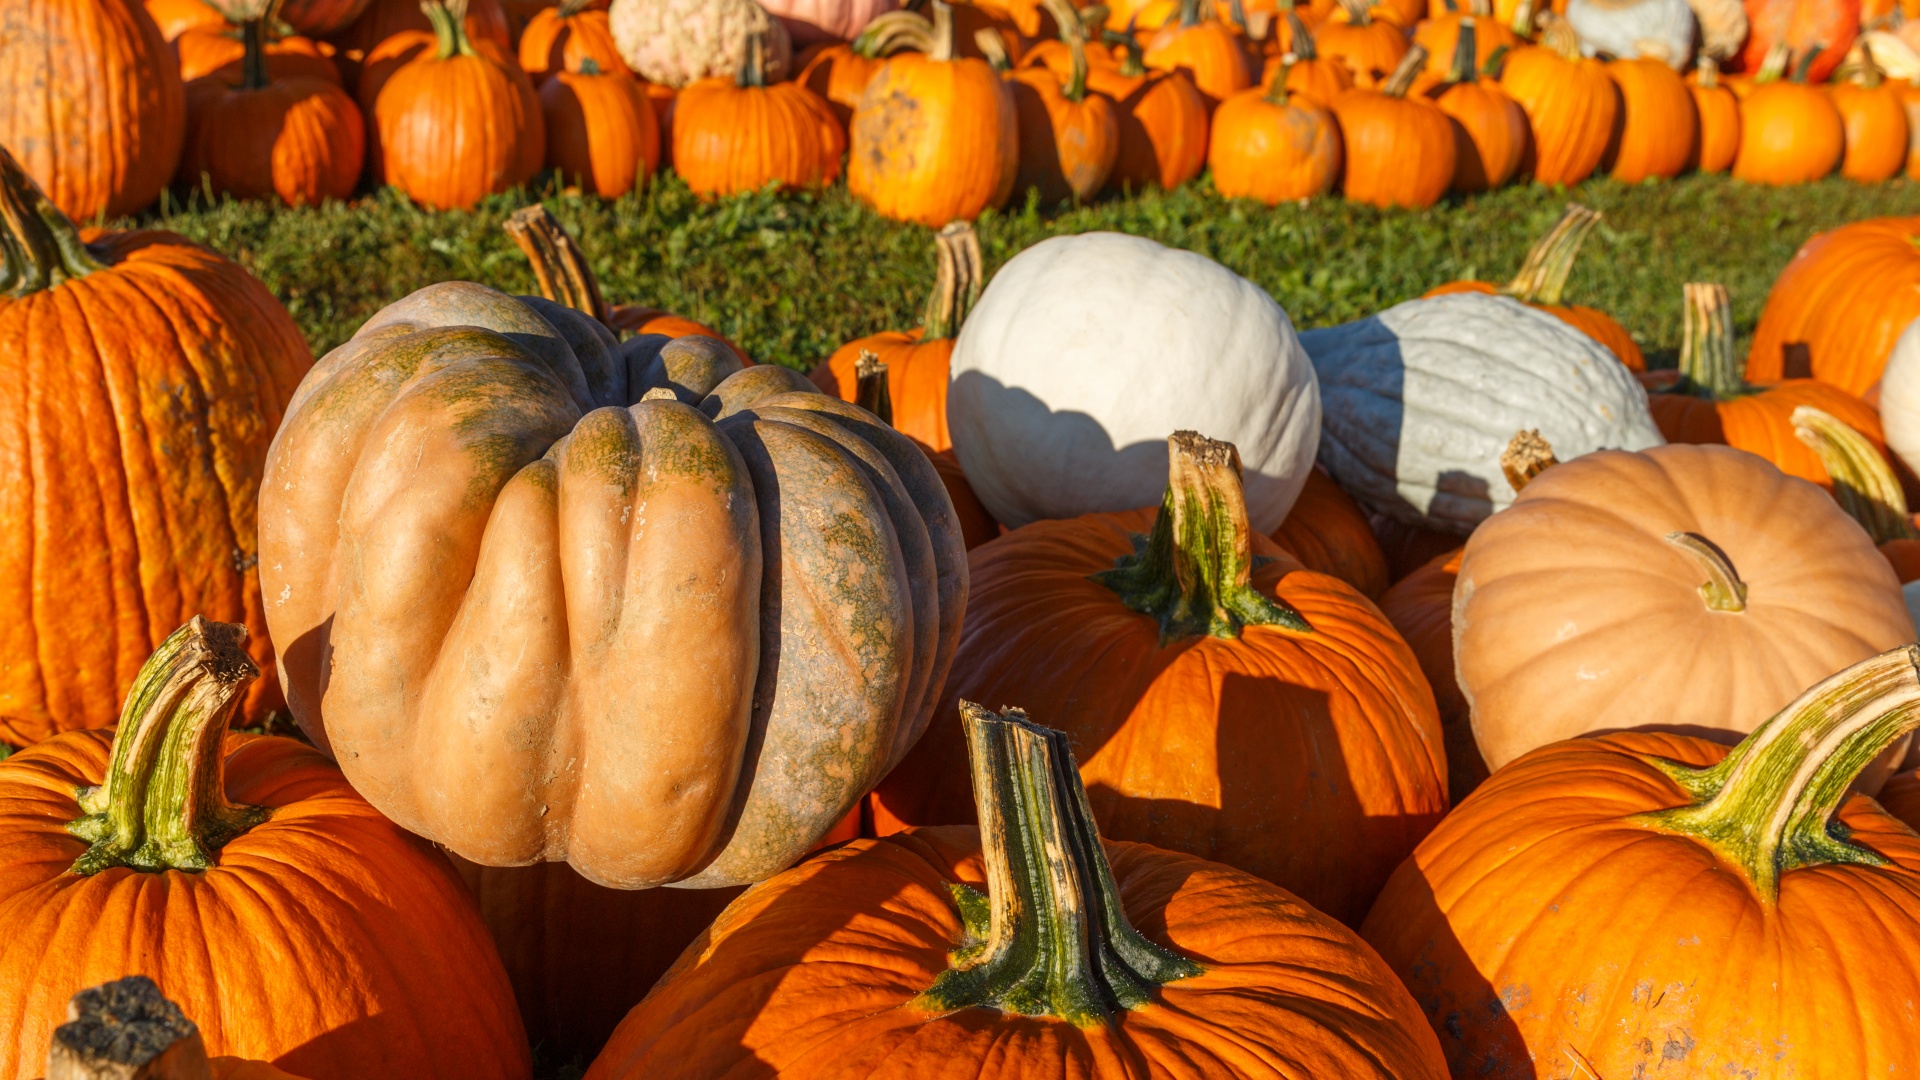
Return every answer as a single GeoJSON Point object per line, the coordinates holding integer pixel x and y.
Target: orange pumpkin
{"type": "Point", "coordinates": [1864, 485]}
{"type": "Point", "coordinates": [1202, 48]}
{"type": "Point", "coordinates": [1660, 126]}
{"type": "Point", "coordinates": [486, 20]}
{"type": "Point", "coordinates": [1420, 606]}
{"type": "Point", "coordinates": [1163, 122]}
{"type": "Point", "coordinates": [1840, 304]}
{"type": "Point", "coordinates": [1069, 139]}
{"type": "Point", "coordinates": [1874, 117]}
{"type": "Point", "coordinates": [1209, 695]}
{"type": "Point", "coordinates": [1400, 150]}
{"type": "Point", "coordinates": [1321, 78]}
{"type": "Point", "coordinates": [1821, 30]}
{"type": "Point", "coordinates": [353, 944]}
{"type": "Point", "coordinates": [1274, 146]}
{"type": "Point", "coordinates": [176, 17]}
{"type": "Point", "coordinates": [1719, 110]}
{"type": "Point", "coordinates": [1371, 48]}
{"type": "Point", "coordinates": [977, 525]}
{"type": "Point", "coordinates": [205, 52]}
{"type": "Point", "coordinates": [1489, 127]}
{"type": "Point", "coordinates": [1327, 531]}
{"type": "Point", "coordinates": [1790, 132]}
{"type": "Point", "coordinates": [1570, 102]}
{"type": "Point", "coordinates": [1440, 36]}
{"type": "Point", "coordinates": [564, 37]}
{"type": "Point", "coordinates": [1901, 796]}
{"type": "Point", "coordinates": [734, 134]}
{"type": "Point", "coordinates": [601, 133]}
{"type": "Point", "coordinates": [838, 73]}
{"type": "Point", "coordinates": [1637, 903]}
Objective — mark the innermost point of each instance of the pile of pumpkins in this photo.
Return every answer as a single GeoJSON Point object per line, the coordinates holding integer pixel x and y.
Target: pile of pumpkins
{"type": "Point", "coordinates": [1438, 694]}
{"type": "Point", "coordinates": [942, 112]}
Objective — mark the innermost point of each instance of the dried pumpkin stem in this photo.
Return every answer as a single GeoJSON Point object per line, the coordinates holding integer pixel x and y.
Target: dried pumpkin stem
{"type": "Point", "coordinates": [988, 41]}
{"type": "Point", "coordinates": [1723, 589]}
{"type": "Point", "coordinates": [1863, 483]}
{"type": "Point", "coordinates": [1773, 66]}
{"type": "Point", "coordinates": [558, 263]}
{"type": "Point", "coordinates": [1050, 938]}
{"type": "Point", "coordinates": [1133, 61]}
{"type": "Point", "coordinates": [1768, 806]}
{"type": "Point", "coordinates": [1528, 454]}
{"type": "Point", "coordinates": [1543, 277]}
{"type": "Point", "coordinates": [163, 805]}
{"type": "Point", "coordinates": [1277, 92]}
{"type": "Point", "coordinates": [870, 386]}
{"type": "Point", "coordinates": [1708, 364]}
{"type": "Point", "coordinates": [1401, 80]}
{"type": "Point", "coordinates": [1464, 54]}
{"type": "Point", "coordinates": [1299, 38]}
{"type": "Point", "coordinates": [126, 1028]}
{"type": "Point", "coordinates": [39, 245]}
{"type": "Point", "coordinates": [1523, 18]}
{"type": "Point", "coordinates": [942, 26]}
{"type": "Point", "coordinates": [1194, 572]}
{"type": "Point", "coordinates": [1558, 34]}
{"type": "Point", "coordinates": [959, 273]}
{"type": "Point", "coordinates": [1357, 12]}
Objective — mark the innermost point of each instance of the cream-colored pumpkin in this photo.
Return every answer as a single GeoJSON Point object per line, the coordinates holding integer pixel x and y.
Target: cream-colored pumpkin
{"type": "Point", "coordinates": [1657, 29]}
{"type": "Point", "coordinates": [675, 42]}
{"type": "Point", "coordinates": [1900, 397]}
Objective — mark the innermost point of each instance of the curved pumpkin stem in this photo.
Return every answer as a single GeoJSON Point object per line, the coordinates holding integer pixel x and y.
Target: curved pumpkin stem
{"type": "Point", "coordinates": [1709, 72]}
{"type": "Point", "coordinates": [994, 49]}
{"type": "Point", "coordinates": [1709, 366]}
{"type": "Point", "coordinates": [1464, 54]}
{"type": "Point", "coordinates": [1863, 483]}
{"type": "Point", "coordinates": [1543, 277]}
{"type": "Point", "coordinates": [958, 277]}
{"type": "Point", "coordinates": [163, 805]}
{"type": "Point", "coordinates": [1773, 66]}
{"type": "Point", "coordinates": [449, 21]}
{"type": "Point", "coordinates": [1768, 806]}
{"type": "Point", "coordinates": [1357, 12]}
{"type": "Point", "coordinates": [1528, 454]}
{"type": "Point", "coordinates": [1299, 38]}
{"type": "Point", "coordinates": [1806, 63]}
{"type": "Point", "coordinates": [1723, 590]}
{"type": "Point", "coordinates": [1133, 64]}
{"type": "Point", "coordinates": [39, 245]}
{"type": "Point", "coordinates": [1193, 572]}
{"type": "Point", "coordinates": [871, 391]}
{"type": "Point", "coordinates": [1523, 18]}
{"type": "Point", "coordinates": [1401, 80]}
{"type": "Point", "coordinates": [1558, 34]}
{"type": "Point", "coordinates": [753, 66]}
{"type": "Point", "coordinates": [1050, 938]}
{"type": "Point", "coordinates": [558, 263]}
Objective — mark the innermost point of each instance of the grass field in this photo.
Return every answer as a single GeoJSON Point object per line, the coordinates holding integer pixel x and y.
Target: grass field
{"type": "Point", "coordinates": [791, 277]}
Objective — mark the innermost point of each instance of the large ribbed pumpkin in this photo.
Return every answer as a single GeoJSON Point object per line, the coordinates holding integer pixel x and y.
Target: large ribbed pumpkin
{"type": "Point", "coordinates": [1836, 310]}
{"type": "Point", "coordinates": [1570, 102]}
{"type": "Point", "coordinates": [119, 527]}
{"type": "Point", "coordinates": [601, 131]}
{"type": "Point", "coordinates": [294, 922]}
{"type": "Point", "coordinates": [481, 521]}
{"type": "Point", "coordinates": [1265, 716]}
{"type": "Point", "coordinates": [1660, 126]}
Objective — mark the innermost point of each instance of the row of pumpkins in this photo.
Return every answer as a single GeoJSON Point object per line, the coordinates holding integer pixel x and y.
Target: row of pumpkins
{"type": "Point", "coordinates": [572, 600]}
{"type": "Point", "coordinates": [939, 115]}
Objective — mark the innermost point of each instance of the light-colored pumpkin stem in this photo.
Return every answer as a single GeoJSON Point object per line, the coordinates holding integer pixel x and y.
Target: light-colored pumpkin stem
{"type": "Point", "coordinates": [890, 33]}
{"type": "Point", "coordinates": [1357, 12]}
{"type": "Point", "coordinates": [1558, 34]}
{"type": "Point", "coordinates": [163, 805]}
{"type": "Point", "coordinates": [1773, 66]}
{"type": "Point", "coordinates": [1528, 454]}
{"type": "Point", "coordinates": [1723, 590]}
{"type": "Point", "coordinates": [1402, 78]}
{"type": "Point", "coordinates": [988, 41]}
{"type": "Point", "coordinates": [449, 28]}
{"type": "Point", "coordinates": [1709, 69]}
{"type": "Point", "coordinates": [1193, 573]}
{"type": "Point", "coordinates": [1543, 277]}
{"type": "Point", "coordinates": [871, 391]}
{"type": "Point", "coordinates": [1863, 483]}
{"type": "Point", "coordinates": [1709, 367]}
{"type": "Point", "coordinates": [1277, 92]}
{"type": "Point", "coordinates": [1768, 806]}
{"type": "Point", "coordinates": [126, 1030]}
{"type": "Point", "coordinates": [1050, 938]}
{"type": "Point", "coordinates": [1464, 52]}
{"type": "Point", "coordinates": [958, 276]}
{"type": "Point", "coordinates": [39, 245]}
{"type": "Point", "coordinates": [1523, 18]}
{"type": "Point", "coordinates": [753, 66]}
{"type": "Point", "coordinates": [558, 263]}
{"type": "Point", "coordinates": [942, 27]}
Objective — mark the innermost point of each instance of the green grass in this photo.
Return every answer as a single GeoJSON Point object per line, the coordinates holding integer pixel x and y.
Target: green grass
{"type": "Point", "coordinates": [791, 277]}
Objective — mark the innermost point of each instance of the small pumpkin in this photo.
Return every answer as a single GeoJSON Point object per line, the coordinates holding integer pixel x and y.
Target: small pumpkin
{"type": "Point", "coordinates": [564, 37]}
{"type": "Point", "coordinates": [1570, 102]}
{"type": "Point", "coordinates": [1790, 132]}
{"type": "Point", "coordinates": [1719, 111]}
{"type": "Point", "coordinates": [601, 132]}
{"type": "Point", "coordinates": [1818, 321]}
{"type": "Point", "coordinates": [383, 19]}
{"type": "Point", "coordinates": [1069, 138]}
{"type": "Point", "coordinates": [1873, 114]}
{"type": "Point", "coordinates": [1440, 36]}
{"type": "Point", "coordinates": [740, 133]}
{"type": "Point", "coordinates": [839, 73]}
{"type": "Point", "coordinates": [1203, 49]}
{"type": "Point", "coordinates": [1864, 486]}
{"type": "Point", "coordinates": [1660, 126]}
{"type": "Point", "coordinates": [1489, 127]}
{"type": "Point", "coordinates": [679, 42]}
{"type": "Point", "coordinates": [1801, 27]}
{"type": "Point", "coordinates": [1739, 886]}
{"type": "Point", "coordinates": [1274, 146]}
{"type": "Point", "coordinates": [1371, 48]}
{"type": "Point", "coordinates": [1400, 150]}
{"type": "Point", "coordinates": [1328, 532]}
{"type": "Point", "coordinates": [222, 51]}
{"type": "Point", "coordinates": [1658, 30]}
{"type": "Point", "coordinates": [1163, 122]}
{"type": "Point", "coordinates": [1322, 78]}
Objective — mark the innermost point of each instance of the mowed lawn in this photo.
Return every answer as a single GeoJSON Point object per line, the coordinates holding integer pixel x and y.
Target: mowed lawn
{"type": "Point", "coordinates": [790, 277]}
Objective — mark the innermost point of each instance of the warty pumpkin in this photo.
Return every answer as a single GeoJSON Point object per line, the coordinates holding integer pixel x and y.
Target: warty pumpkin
{"type": "Point", "coordinates": [1163, 122]}
{"type": "Point", "coordinates": [548, 512]}
{"type": "Point", "coordinates": [1013, 949]}
{"type": "Point", "coordinates": [934, 138]}
{"type": "Point", "coordinates": [679, 42]}
{"type": "Point", "coordinates": [107, 151]}
{"type": "Point", "coordinates": [1659, 125]}
{"type": "Point", "coordinates": [1400, 150]}
{"type": "Point", "coordinates": [1202, 48]}
{"type": "Point", "coordinates": [1274, 146]}
{"type": "Point", "coordinates": [1790, 131]}
{"type": "Point", "coordinates": [1640, 903]}
{"type": "Point", "coordinates": [564, 37]}
{"type": "Point", "coordinates": [1684, 588]}
{"type": "Point", "coordinates": [919, 361]}
{"type": "Point", "coordinates": [1371, 48]}
{"type": "Point", "coordinates": [1874, 118]}
{"type": "Point", "coordinates": [182, 363]}
{"type": "Point", "coordinates": [1864, 486]}
{"type": "Point", "coordinates": [1327, 531]}
{"type": "Point", "coordinates": [1571, 105]}
{"type": "Point", "coordinates": [1230, 703]}
{"type": "Point", "coordinates": [1659, 30]}
{"type": "Point", "coordinates": [1819, 321]}
{"type": "Point", "coordinates": [1489, 127]}
{"type": "Point", "coordinates": [352, 943]}
{"type": "Point", "coordinates": [1801, 26]}
{"type": "Point", "coordinates": [741, 133]}
{"type": "Point", "coordinates": [601, 132]}
{"type": "Point", "coordinates": [1719, 111]}
{"type": "Point", "coordinates": [1069, 138]}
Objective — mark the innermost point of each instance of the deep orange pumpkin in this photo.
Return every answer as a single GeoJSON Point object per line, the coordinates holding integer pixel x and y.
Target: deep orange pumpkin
{"type": "Point", "coordinates": [1163, 122]}
{"type": "Point", "coordinates": [1489, 127]}
{"type": "Point", "coordinates": [601, 132]}
{"type": "Point", "coordinates": [1801, 26]}
{"type": "Point", "coordinates": [1273, 145]}
{"type": "Point", "coordinates": [741, 133]}
{"type": "Point", "coordinates": [1372, 48]}
{"type": "Point", "coordinates": [1790, 132]}
{"type": "Point", "coordinates": [838, 73]}
{"type": "Point", "coordinates": [1840, 304]}
{"type": "Point", "coordinates": [1420, 606]}
{"type": "Point", "coordinates": [1440, 36]}
{"type": "Point", "coordinates": [1659, 127]}
{"type": "Point", "coordinates": [1874, 115]}
{"type": "Point", "coordinates": [1570, 103]}
{"type": "Point", "coordinates": [1322, 78]}
{"type": "Point", "coordinates": [1202, 48]}
{"type": "Point", "coordinates": [486, 21]}
{"type": "Point", "coordinates": [1327, 531]}
{"type": "Point", "coordinates": [1719, 110]}
{"type": "Point", "coordinates": [1400, 150]}
{"type": "Point", "coordinates": [564, 37]}
{"type": "Point", "coordinates": [176, 17]}
{"type": "Point", "coordinates": [206, 52]}
{"type": "Point", "coordinates": [977, 525]}
{"type": "Point", "coordinates": [1069, 138]}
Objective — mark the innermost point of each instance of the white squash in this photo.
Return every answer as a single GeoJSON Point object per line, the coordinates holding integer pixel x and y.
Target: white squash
{"type": "Point", "coordinates": [1087, 351]}
{"type": "Point", "coordinates": [675, 42]}
{"type": "Point", "coordinates": [1660, 29]}
{"type": "Point", "coordinates": [1900, 397]}
{"type": "Point", "coordinates": [1418, 402]}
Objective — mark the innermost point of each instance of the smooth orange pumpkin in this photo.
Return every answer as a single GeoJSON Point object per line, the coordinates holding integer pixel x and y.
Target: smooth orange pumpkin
{"type": "Point", "coordinates": [740, 133]}
{"type": "Point", "coordinates": [1803, 27]}
{"type": "Point", "coordinates": [1400, 150]}
{"type": "Point", "coordinates": [1274, 146]}
{"type": "Point", "coordinates": [1719, 110]}
{"type": "Point", "coordinates": [1069, 138]}
{"type": "Point", "coordinates": [1267, 717]}
{"type": "Point", "coordinates": [353, 943]}
{"type": "Point", "coordinates": [838, 73]}
{"type": "Point", "coordinates": [1659, 126]}
{"type": "Point", "coordinates": [1570, 102]}
{"type": "Point", "coordinates": [175, 17]}
{"type": "Point", "coordinates": [1322, 78]}
{"type": "Point", "coordinates": [1440, 36]}
{"type": "Point", "coordinates": [1420, 606]}
{"type": "Point", "coordinates": [1371, 48]}
{"type": "Point", "coordinates": [486, 20]}
{"type": "Point", "coordinates": [1790, 132]}
{"type": "Point", "coordinates": [566, 36]}
{"type": "Point", "coordinates": [206, 52]}
{"type": "Point", "coordinates": [1203, 49]}
{"type": "Point", "coordinates": [1163, 123]}
{"type": "Point", "coordinates": [1874, 117]}
{"type": "Point", "coordinates": [601, 132]}
{"type": "Point", "coordinates": [1864, 485]}
{"type": "Point", "coordinates": [1489, 127]}
{"type": "Point", "coordinates": [1327, 531]}
{"type": "Point", "coordinates": [1840, 304]}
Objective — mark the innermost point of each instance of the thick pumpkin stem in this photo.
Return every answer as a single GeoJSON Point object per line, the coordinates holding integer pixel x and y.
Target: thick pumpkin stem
{"type": "Point", "coordinates": [253, 60]}
{"type": "Point", "coordinates": [1528, 454]}
{"type": "Point", "coordinates": [890, 33]}
{"type": "Point", "coordinates": [988, 41]}
{"type": "Point", "coordinates": [1463, 54]}
{"type": "Point", "coordinates": [1401, 80]}
{"type": "Point", "coordinates": [164, 805]}
{"type": "Point", "coordinates": [1277, 92]}
{"type": "Point", "coordinates": [39, 245]}
{"type": "Point", "coordinates": [1050, 938]}
{"type": "Point", "coordinates": [1773, 66]}
{"type": "Point", "coordinates": [959, 273]}
{"type": "Point", "coordinates": [1768, 806]}
{"type": "Point", "coordinates": [1863, 483]}
{"type": "Point", "coordinates": [1133, 60]}
{"type": "Point", "coordinates": [1723, 590]}
{"type": "Point", "coordinates": [871, 391]}
{"type": "Point", "coordinates": [557, 261]}
{"type": "Point", "coordinates": [449, 28]}
{"type": "Point", "coordinates": [1523, 18]}
{"type": "Point", "coordinates": [753, 67]}
{"type": "Point", "coordinates": [1357, 12]}
{"type": "Point", "coordinates": [1709, 72]}
{"type": "Point", "coordinates": [1191, 12]}
{"type": "Point", "coordinates": [1299, 38]}
{"type": "Point", "coordinates": [1558, 34]}
{"type": "Point", "coordinates": [1543, 277]}
{"type": "Point", "coordinates": [1193, 573]}
{"type": "Point", "coordinates": [1709, 367]}
{"type": "Point", "coordinates": [126, 1028]}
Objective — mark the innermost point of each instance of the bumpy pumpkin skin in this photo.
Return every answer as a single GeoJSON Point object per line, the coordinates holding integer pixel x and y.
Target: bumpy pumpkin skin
{"type": "Point", "coordinates": [677, 42]}
{"type": "Point", "coordinates": [1287, 989]}
{"type": "Point", "coordinates": [1817, 302]}
{"type": "Point", "coordinates": [933, 141]}
{"type": "Point", "coordinates": [325, 940]}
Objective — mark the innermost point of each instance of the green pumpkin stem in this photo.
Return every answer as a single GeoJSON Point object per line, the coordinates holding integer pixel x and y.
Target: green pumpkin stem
{"type": "Point", "coordinates": [1401, 80]}
{"type": "Point", "coordinates": [253, 60]}
{"type": "Point", "coordinates": [163, 805]}
{"type": "Point", "coordinates": [892, 32]}
{"type": "Point", "coordinates": [449, 21]}
{"type": "Point", "coordinates": [1863, 482]}
{"type": "Point", "coordinates": [1193, 573]}
{"type": "Point", "coordinates": [1277, 92]}
{"type": "Point", "coordinates": [1523, 18]}
{"type": "Point", "coordinates": [1773, 66]}
{"type": "Point", "coordinates": [557, 261]}
{"type": "Point", "coordinates": [1050, 938]}
{"type": "Point", "coordinates": [1768, 806]}
{"type": "Point", "coordinates": [1543, 277]}
{"type": "Point", "coordinates": [1496, 61]}
{"type": "Point", "coordinates": [1191, 12]}
{"type": "Point", "coordinates": [871, 391]}
{"type": "Point", "coordinates": [1133, 64]}
{"type": "Point", "coordinates": [1806, 63]}
{"type": "Point", "coordinates": [39, 246]}
{"type": "Point", "coordinates": [1723, 590]}
{"type": "Point", "coordinates": [1709, 366]}
{"type": "Point", "coordinates": [753, 64]}
{"type": "Point", "coordinates": [958, 276]}
{"type": "Point", "coordinates": [1464, 54]}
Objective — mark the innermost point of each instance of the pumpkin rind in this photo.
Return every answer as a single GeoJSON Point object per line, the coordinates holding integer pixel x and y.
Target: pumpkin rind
{"type": "Point", "coordinates": [1327, 531]}
{"type": "Point", "coordinates": [601, 133]}
{"type": "Point", "coordinates": [1571, 105]}
{"type": "Point", "coordinates": [679, 42]}
{"type": "Point", "coordinates": [1659, 122]}
{"type": "Point", "coordinates": [1841, 333]}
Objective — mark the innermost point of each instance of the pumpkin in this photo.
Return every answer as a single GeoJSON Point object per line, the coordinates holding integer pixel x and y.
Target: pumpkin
{"type": "Point", "coordinates": [222, 50]}
{"type": "Point", "coordinates": [1203, 49]}
{"type": "Point", "coordinates": [1790, 132]}
{"type": "Point", "coordinates": [1489, 127]}
{"type": "Point", "coordinates": [1686, 588]}
{"type": "Point", "coordinates": [1719, 111]}
{"type": "Point", "coordinates": [1400, 150]}
{"type": "Point", "coordinates": [127, 1028]}
{"type": "Point", "coordinates": [1874, 117]}
{"type": "Point", "coordinates": [740, 133]}
{"type": "Point", "coordinates": [1712, 404]}
{"type": "Point", "coordinates": [383, 19]}
{"type": "Point", "coordinates": [1420, 607]}
{"type": "Point", "coordinates": [1739, 887]}
{"type": "Point", "coordinates": [1242, 710]}
{"type": "Point", "coordinates": [919, 361]}
{"type": "Point", "coordinates": [459, 122]}
{"type": "Point", "coordinates": [679, 42]}
{"type": "Point", "coordinates": [864, 960]}
{"type": "Point", "coordinates": [180, 349]}
{"type": "Point", "coordinates": [1659, 30]}
{"type": "Point", "coordinates": [838, 73]}
{"type": "Point", "coordinates": [1084, 346]}
{"type": "Point", "coordinates": [1570, 102]}
{"type": "Point", "coordinates": [1327, 531]}
{"type": "Point", "coordinates": [353, 942]}
{"type": "Point", "coordinates": [1069, 139]}
{"type": "Point", "coordinates": [601, 133]}
{"type": "Point", "coordinates": [1542, 283]}
{"type": "Point", "coordinates": [977, 525]}
{"type": "Point", "coordinates": [1660, 126]}
{"type": "Point", "coordinates": [808, 21]}
{"type": "Point", "coordinates": [757, 499]}
{"type": "Point", "coordinates": [1273, 146]}
{"type": "Point", "coordinates": [1802, 26]}
{"type": "Point", "coordinates": [1819, 322]}
{"type": "Point", "coordinates": [934, 138]}
{"type": "Point", "coordinates": [1900, 396]}
{"type": "Point", "coordinates": [1163, 122]}
{"type": "Point", "coordinates": [564, 37]}
{"type": "Point", "coordinates": [1864, 486]}
{"type": "Point", "coordinates": [100, 146]}
{"type": "Point", "coordinates": [1440, 36]}
{"type": "Point", "coordinates": [1420, 400]}
{"type": "Point", "coordinates": [318, 18]}
{"type": "Point", "coordinates": [1321, 78]}
{"type": "Point", "coordinates": [176, 17]}
{"type": "Point", "coordinates": [1371, 48]}
{"type": "Point", "coordinates": [1723, 28]}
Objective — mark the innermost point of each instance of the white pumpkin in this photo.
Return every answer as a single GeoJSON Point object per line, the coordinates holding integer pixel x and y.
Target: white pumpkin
{"type": "Point", "coordinates": [1418, 402]}
{"type": "Point", "coordinates": [1660, 29]}
{"type": "Point", "coordinates": [822, 20]}
{"type": "Point", "coordinates": [675, 42]}
{"type": "Point", "coordinates": [1087, 351]}
{"type": "Point", "coordinates": [1900, 397]}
